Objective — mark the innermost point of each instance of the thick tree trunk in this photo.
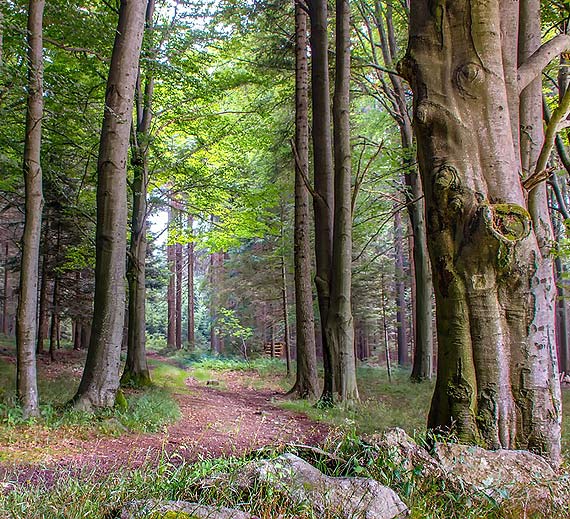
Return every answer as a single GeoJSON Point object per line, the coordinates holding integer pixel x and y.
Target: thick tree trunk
{"type": "Point", "coordinates": [399, 274]}
{"type": "Point", "coordinates": [497, 370]}
{"type": "Point", "coordinates": [306, 383]}
{"type": "Point", "coordinates": [136, 370]}
{"type": "Point", "coordinates": [26, 326]}
{"type": "Point", "coordinates": [340, 324]}
{"type": "Point", "coordinates": [100, 379]}
{"type": "Point", "coordinates": [190, 255]}
{"type": "Point", "coordinates": [323, 201]}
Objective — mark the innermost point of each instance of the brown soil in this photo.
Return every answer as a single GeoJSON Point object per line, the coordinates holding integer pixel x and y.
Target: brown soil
{"type": "Point", "coordinates": [215, 422]}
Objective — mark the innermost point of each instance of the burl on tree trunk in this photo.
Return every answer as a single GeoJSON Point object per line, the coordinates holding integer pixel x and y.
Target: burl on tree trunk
{"type": "Point", "coordinates": [497, 379]}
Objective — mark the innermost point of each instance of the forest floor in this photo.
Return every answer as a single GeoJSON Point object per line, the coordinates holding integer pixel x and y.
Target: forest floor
{"type": "Point", "coordinates": [220, 416]}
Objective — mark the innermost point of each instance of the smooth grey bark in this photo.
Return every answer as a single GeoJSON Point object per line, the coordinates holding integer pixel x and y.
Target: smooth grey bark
{"type": "Point", "coordinates": [323, 199]}
{"type": "Point", "coordinates": [340, 324]}
{"type": "Point", "coordinates": [26, 326]}
{"type": "Point", "coordinates": [306, 382]}
{"type": "Point", "coordinates": [136, 372]}
{"type": "Point", "coordinates": [497, 381]}
{"type": "Point", "coordinates": [100, 380]}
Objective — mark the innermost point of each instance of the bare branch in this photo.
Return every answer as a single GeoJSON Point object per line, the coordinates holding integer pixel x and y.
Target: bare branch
{"type": "Point", "coordinates": [533, 66]}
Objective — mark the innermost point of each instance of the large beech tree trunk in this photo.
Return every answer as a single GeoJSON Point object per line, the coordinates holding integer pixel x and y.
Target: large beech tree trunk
{"type": "Point", "coordinates": [136, 370]}
{"type": "Point", "coordinates": [497, 372]}
{"type": "Point", "coordinates": [306, 383]}
{"type": "Point", "coordinates": [323, 200]}
{"type": "Point", "coordinates": [26, 327]}
{"type": "Point", "coordinates": [100, 380]}
{"type": "Point", "coordinates": [340, 323]}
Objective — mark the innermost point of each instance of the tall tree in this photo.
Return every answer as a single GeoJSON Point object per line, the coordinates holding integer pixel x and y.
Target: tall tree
{"type": "Point", "coordinates": [399, 274]}
{"type": "Point", "coordinates": [340, 323]}
{"type": "Point", "coordinates": [171, 291]}
{"type": "Point", "coordinates": [497, 379]}
{"type": "Point", "coordinates": [26, 327]}
{"type": "Point", "coordinates": [100, 380]}
{"type": "Point", "coordinates": [136, 368]}
{"type": "Point", "coordinates": [190, 258]}
{"type": "Point", "coordinates": [323, 199]}
{"type": "Point", "coordinates": [306, 383]}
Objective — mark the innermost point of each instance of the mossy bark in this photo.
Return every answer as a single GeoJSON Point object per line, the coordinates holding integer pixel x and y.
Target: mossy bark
{"type": "Point", "coordinates": [497, 371]}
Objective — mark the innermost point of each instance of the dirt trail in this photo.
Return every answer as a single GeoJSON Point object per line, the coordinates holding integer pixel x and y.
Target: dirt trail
{"type": "Point", "coordinates": [215, 422]}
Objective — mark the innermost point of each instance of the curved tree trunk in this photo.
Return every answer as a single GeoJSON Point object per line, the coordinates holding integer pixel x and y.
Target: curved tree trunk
{"type": "Point", "coordinates": [340, 323]}
{"type": "Point", "coordinates": [306, 384]}
{"type": "Point", "coordinates": [26, 327]}
{"type": "Point", "coordinates": [100, 380]}
{"type": "Point", "coordinates": [497, 378]}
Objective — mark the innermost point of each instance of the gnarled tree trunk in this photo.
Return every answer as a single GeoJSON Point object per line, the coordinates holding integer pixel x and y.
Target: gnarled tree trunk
{"type": "Point", "coordinates": [497, 370]}
{"type": "Point", "coordinates": [100, 380]}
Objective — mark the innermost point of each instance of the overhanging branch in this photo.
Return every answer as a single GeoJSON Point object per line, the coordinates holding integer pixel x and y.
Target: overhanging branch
{"type": "Point", "coordinates": [533, 66]}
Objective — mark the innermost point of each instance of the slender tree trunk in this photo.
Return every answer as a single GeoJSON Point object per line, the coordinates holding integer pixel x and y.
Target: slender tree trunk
{"type": "Point", "coordinates": [323, 201]}
{"type": "Point", "coordinates": [26, 326]}
{"type": "Point", "coordinates": [399, 274]}
{"type": "Point", "coordinates": [136, 370]}
{"type": "Point", "coordinates": [77, 334]}
{"type": "Point", "coordinates": [6, 286]}
{"type": "Point", "coordinates": [171, 294]}
{"type": "Point", "coordinates": [306, 382]}
{"type": "Point", "coordinates": [190, 254]}
{"type": "Point", "coordinates": [43, 328]}
{"type": "Point", "coordinates": [422, 300]}
{"type": "Point", "coordinates": [54, 326]}
{"type": "Point", "coordinates": [497, 380]}
{"type": "Point", "coordinates": [100, 381]}
{"type": "Point", "coordinates": [340, 324]}
{"type": "Point", "coordinates": [562, 317]}
{"type": "Point", "coordinates": [285, 300]}
{"type": "Point", "coordinates": [179, 267]}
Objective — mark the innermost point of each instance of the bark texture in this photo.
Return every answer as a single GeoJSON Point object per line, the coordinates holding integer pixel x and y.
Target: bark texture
{"type": "Point", "coordinates": [136, 372]}
{"type": "Point", "coordinates": [26, 328]}
{"type": "Point", "coordinates": [100, 380]}
{"type": "Point", "coordinates": [190, 255]}
{"type": "Point", "coordinates": [340, 323]}
{"type": "Point", "coordinates": [497, 380]}
{"type": "Point", "coordinates": [306, 383]}
{"type": "Point", "coordinates": [323, 200]}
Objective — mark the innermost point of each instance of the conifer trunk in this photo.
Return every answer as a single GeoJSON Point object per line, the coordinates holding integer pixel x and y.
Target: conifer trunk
{"type": "Point", "coordinates": [190, 255]}
{"type": "Point", "coordinates": [306, 383]}
{"type": "Point", "coordinates": [323, 200]}
{"type": "Point", "coordinates": [340, 323]}
{"type": "Point", "coordinates": [100, 380]}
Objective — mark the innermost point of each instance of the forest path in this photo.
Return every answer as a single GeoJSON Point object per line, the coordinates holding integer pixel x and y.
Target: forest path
{"type": "Point", "coordinates": [216, 420]}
